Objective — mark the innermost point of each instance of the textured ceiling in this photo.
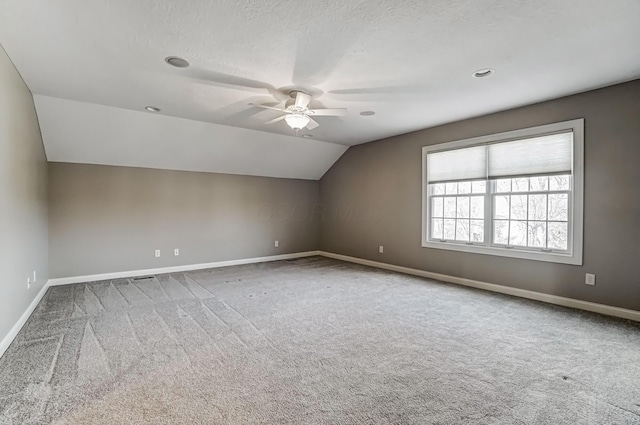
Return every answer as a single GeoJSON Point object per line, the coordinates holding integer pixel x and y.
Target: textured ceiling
{"type": "Point", "coordinates": [410, 61]}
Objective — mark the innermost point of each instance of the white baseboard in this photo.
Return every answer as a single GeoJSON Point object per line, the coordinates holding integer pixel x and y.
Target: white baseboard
{"type": "Point", "coordinates": [8, 339]}
{"type": "Point", "coordinates": [177, 269]}
{"type": "Point", "coordinates": [523, 293]}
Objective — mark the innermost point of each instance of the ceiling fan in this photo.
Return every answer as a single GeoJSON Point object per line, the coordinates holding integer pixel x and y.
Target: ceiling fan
{"type": "Point", "coordinates": [297, 113]}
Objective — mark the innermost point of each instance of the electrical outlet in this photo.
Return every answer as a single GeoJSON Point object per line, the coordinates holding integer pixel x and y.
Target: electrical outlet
{"type": "Point", "coordinates": [157, 253]}
{"type": "Point", "coordinates": [590, 279]}
{"type": "Point", "coordinates": [176, 252]}
{"type": "Point", "coordinates": [277, 244]}
{"type": "Point", "coordinates": [381, 249]}
{"type": "Point", "coordinates": [34, 276]}
{"type": "Point", "coordinates": [28, 283]}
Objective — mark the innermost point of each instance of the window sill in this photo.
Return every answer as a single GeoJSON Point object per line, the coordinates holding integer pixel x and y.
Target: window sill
{"type": "Point", "coordinates": [548, 257]}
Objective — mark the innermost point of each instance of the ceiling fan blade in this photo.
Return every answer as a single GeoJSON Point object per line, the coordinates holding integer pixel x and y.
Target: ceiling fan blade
{"type": "Point", "coordinates": [227, 80]}
{"type": "Point", "coordinates": [337, 112]}
{"type": "Point", "coordinates": [268, 107]}
{"type": "Point", "coordinates": [276, 119]}
{"type": "Point", "coordinates": [302, 100]}
{"type": "Point", "coordinates": [312, 124]}
{"type": "Point", "coordinates": [407, 90]}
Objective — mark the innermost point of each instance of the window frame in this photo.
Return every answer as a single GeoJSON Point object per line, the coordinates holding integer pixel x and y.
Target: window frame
{"type": "Point", "coordinates": [574, 253]}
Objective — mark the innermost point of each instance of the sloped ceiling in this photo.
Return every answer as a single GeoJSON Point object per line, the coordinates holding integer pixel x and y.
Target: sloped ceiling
{"type": "Point", "coordinates": [96, 134]}
{"type": "Point", "coordinates": [409, 61]}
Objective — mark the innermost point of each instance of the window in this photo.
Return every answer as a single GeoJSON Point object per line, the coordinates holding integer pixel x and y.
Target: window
{"type": "Point", "coordinates": [515, 194]}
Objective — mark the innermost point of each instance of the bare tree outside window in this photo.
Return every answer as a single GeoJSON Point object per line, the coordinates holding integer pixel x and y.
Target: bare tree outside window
{"type": "Point", "coordinates": [528, 212]}
{"type": "Point", "coordinates": [457, 211]}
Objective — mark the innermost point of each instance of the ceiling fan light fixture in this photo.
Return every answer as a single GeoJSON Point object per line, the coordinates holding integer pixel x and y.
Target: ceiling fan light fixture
{"type": "Point", "coordinates": [297, 121]}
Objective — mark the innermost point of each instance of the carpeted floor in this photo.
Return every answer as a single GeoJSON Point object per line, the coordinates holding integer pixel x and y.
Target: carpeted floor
{"type": "Point", "coordinates": [314, 341]}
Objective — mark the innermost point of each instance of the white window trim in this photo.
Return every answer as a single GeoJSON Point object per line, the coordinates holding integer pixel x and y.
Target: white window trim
{"type": "Point", "coordinates": [574, 255]}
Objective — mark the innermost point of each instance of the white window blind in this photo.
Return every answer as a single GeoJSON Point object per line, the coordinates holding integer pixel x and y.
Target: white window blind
{"type": "Point", "coordinates": [458, 164]}
{"type": "Point", "coordinates": [543, 155]}
{"type": "Point", "coordinates": [538, 155]}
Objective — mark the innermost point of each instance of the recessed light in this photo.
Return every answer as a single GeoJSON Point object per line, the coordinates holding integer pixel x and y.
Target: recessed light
{"type": "Point", "coordinates": [482, 73]}
{"type": "Point", "coordinates": [152, 109]}
{"type": "Point", "coordinates": [307, 136]}
{"type": "Point", "coordinates": [176, 61]}
{"type": "Point", "coordinates": [367, 113]}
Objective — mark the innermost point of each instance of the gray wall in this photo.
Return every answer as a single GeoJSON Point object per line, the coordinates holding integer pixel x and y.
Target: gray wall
{"type": "Point", "coordinates": [373, 197]}
{"type": "Point", "coordinates": [109, 219]}
{"type": "Point", "coordinates": [23, 198]}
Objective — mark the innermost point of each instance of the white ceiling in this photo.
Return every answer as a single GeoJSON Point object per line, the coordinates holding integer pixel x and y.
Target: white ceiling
{"type": "Point", "coordinates": [410, 61]}
{"type": "Point", "coordinates": [86, 133]}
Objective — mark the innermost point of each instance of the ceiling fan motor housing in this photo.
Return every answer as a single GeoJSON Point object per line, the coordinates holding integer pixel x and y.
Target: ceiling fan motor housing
{"type": "Point", "coordinates": [291, 103]}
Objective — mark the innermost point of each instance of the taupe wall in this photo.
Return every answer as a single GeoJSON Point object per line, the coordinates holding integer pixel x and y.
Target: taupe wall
{"type": "Point", "coordinates": [373, 197]}
{"type": "Point", "coordinates": [109, 219]}
{"type": "Point", "coordinates": [23, 198]}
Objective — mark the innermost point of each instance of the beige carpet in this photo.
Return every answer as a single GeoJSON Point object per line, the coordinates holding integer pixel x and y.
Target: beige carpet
{"type": "Point", "coordinates": [314, 341]}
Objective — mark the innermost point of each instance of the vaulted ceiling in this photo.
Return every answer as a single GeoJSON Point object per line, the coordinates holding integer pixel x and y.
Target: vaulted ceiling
{"type": "Point", "coordinates": [94, 65]}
